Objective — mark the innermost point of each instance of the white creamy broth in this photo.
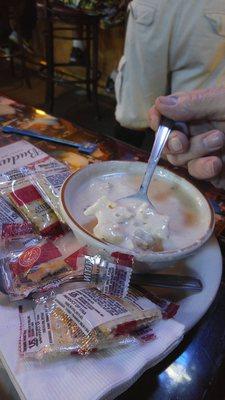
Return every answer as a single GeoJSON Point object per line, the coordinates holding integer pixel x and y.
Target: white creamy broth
{"type": "Point", "coordinates": [187, 220]}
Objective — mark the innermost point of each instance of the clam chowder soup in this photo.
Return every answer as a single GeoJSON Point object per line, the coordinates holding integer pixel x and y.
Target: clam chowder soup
{"type": "Point", "coordinates": [178, 219]}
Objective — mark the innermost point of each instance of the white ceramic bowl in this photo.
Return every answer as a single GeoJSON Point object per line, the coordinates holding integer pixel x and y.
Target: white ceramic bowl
{"type": "Point", "coordinates": [71, 210]}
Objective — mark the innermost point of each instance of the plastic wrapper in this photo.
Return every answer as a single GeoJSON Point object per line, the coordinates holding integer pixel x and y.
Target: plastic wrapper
{"type": "Point", "coordinates": [15, 230]}
{"type": "Point", "coordinates": [34, 159]}
{"type": "Point", "coordinates": [40, 264]}
{"type": "Point", "coordinates": [14, 236]}
{"type": "Point", "coordinates": [169, 309]}
{"type": "Point", "coordinates": [49, 184]}
{"type": "Point", "coordinates": [28, 202]}
{"type": "Point", "coordinates": [10, 219]}
{"type": "Point", "coordinates": [80, 319]}
{"type": "Point", "coordinates": [12, 226]}
{"type": "Point", "coordinates": [110, 275]}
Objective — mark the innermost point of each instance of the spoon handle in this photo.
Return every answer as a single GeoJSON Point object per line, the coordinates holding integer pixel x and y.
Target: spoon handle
{"type": "Point", "coordinates": [161, 137]}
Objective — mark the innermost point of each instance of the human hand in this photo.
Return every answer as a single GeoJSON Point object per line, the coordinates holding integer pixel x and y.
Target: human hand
{"type": "Point", "coordinates": [203, 151]}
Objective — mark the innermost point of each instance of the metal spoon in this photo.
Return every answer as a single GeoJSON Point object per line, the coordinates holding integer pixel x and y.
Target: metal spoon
{"type": "Point", "coordinates": [161, 137]}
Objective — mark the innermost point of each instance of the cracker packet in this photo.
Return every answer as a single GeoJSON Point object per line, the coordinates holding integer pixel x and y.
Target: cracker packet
{"type": "Point", "coordinates": [39, 166]}
{"type": "Point", "coordinates": [79, 319]}
{"type": "Point", "coordinates": [40, 264]}
{"type": "Point", "coordinates": [28, 203]}
{"type": "Point", "coordinates": [12, 226]}
{"type": "Point", "coordinates": [168, 308]}
{"type": "Point", "coordinates": [49, 184]}
{"type": "Point", "coordinates": [9, 218]}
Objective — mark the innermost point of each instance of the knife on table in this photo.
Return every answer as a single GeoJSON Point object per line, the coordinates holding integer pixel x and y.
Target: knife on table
{"type": "Point", "coordinates": [85, 147]}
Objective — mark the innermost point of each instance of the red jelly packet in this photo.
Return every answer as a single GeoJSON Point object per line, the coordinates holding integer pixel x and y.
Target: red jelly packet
{"type": "Point", "coordinates": [110, 276]}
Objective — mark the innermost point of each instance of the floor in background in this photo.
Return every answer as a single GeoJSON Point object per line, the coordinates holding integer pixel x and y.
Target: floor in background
{"type": "Point", "coordinates": [71, 104]}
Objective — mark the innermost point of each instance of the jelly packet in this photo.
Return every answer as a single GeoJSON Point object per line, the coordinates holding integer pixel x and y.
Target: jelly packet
{"type": "Point", "coordinates": [80, 319]}
{"type": "Point", "coordinates": [40, 264]}
{"type": "Point", "coordinates": [110, 275]}
{"type": "Point", "coordinates": [49, 184]}
{"type": "Point", "coordinates": [28, 202]}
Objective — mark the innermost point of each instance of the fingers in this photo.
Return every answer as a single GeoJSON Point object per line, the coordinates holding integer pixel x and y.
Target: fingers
{"type": "Point", "coordinates": [200, 146]}
{"type": "Point", "coordinates": [194, 105]}
{"type": "Point", "coordinates": [177, 142]}
{"type": "Point", "coordinates": [205, 168]}
{"type": "Point", "coordinates": [154, 118]}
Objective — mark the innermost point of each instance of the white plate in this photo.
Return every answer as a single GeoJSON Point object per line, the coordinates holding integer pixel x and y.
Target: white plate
{"type": "Point", "coordinates": [206, 264]}
{"type": "Point", "coordinates": [107, 374]}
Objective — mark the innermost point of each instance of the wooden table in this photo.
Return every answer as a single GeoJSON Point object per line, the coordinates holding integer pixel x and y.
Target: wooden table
{"type": "Point", "coordinates": [202, 353]}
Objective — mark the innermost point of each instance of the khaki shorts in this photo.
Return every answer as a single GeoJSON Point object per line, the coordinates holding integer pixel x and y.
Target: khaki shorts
{"type": "Point", "coordinates": [171, 46]}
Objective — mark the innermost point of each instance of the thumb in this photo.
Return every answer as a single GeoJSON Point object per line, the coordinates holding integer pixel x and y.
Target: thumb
{"type": "Point", "coordinates": [194, 105]}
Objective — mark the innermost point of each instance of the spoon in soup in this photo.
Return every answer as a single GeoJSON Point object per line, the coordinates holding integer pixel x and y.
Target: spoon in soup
{"type": "Point", "coordinates": [161, 137]}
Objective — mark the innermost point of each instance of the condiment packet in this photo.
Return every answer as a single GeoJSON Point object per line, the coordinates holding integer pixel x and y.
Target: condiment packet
{"type": "Point", "coordinates": [80, 319]}
{"type": "Point", "coordinates": [40, 264]}
{"type": "Point", "coordinates": [14, 230]}
{"type": "Point", "coordinates": [145, 334]}
{"type": "Point", "coordinates": [111, 276]}
{"type": "Point", "coordinates": [12, 225]}
{"type": "Point", "coordinates": [168, 308]}
{"type": "Point", "coordinates": [40, 166]}
{"type": "Point", "coordinates": [28, 202]}
{"type": "Point", "coordinates": [8, 214]}
{"type": "Point", "coordinates": [49, 184]}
